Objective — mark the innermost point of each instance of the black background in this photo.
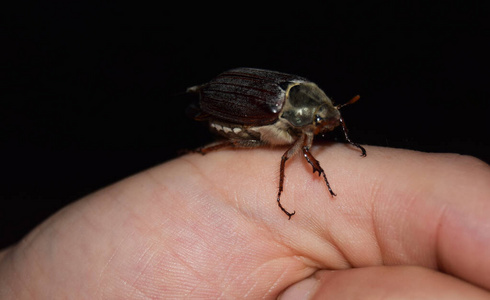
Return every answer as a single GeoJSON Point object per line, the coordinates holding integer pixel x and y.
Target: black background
{"type": "Point", "coordinates": [91, 94]}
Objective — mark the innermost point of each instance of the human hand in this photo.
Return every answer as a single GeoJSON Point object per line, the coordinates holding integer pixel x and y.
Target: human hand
{"type": "Point", "coordinates": [405, 224]}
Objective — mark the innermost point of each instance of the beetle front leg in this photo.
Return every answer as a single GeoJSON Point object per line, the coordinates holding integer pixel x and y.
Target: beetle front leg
{"type": "Point", "coordinates": [315, 164]}
{"type": "Point", "coordinates": [281, 184]}
{"type": "Point", "coordinates": [290, 152]}
{"type": "Point", "coordinates": [344, 129]}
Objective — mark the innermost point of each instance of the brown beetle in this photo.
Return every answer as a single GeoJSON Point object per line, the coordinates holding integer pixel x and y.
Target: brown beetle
{"type": "Point", "coordinates": [254, 107]}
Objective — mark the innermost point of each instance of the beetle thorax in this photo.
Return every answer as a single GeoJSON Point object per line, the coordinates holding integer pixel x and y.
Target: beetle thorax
{"type": "Point", "coordinates": [307, 108]}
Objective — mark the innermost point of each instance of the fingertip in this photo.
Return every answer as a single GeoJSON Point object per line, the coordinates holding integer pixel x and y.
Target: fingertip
{"type": "Point", "coordinates": [304, 289]}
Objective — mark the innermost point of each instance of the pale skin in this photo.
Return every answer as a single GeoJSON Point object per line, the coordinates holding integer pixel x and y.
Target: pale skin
{"type": "Point", "coordinates": [404, 225]}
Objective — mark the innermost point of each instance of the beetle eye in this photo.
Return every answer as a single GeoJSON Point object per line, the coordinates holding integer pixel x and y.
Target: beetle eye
{"type": "Point", "coordinates": [321, 114]}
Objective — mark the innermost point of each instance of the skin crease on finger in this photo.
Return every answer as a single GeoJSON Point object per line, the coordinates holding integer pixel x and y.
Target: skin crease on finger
{"type": "Point", "coordinates": [209, 225]}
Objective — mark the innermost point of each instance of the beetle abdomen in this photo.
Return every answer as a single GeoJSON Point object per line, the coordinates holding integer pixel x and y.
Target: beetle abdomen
{"type": "Point", "coordinates": [246, 96]}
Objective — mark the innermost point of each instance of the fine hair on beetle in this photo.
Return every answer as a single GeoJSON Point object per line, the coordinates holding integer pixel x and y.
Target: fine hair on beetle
{"type": "Point", "coordinates": [251, 108]}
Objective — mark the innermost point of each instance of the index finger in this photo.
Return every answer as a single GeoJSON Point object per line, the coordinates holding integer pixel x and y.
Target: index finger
{"type": "Point", "coordinates": [393, 207]}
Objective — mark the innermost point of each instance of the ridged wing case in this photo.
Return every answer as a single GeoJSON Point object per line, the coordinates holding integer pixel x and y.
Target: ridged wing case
{"type": "Point", "coordinates": [246, 96]}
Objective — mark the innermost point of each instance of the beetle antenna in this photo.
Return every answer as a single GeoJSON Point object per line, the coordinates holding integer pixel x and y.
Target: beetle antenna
{"type": "Point", "coordinates": [353, 100]}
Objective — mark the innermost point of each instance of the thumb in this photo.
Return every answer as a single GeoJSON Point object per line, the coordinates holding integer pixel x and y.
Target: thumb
{"type": "Point", "coordinates": [397, 282]}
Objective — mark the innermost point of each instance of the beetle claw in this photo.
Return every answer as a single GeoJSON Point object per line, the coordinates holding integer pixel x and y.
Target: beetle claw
{"type": "Point", "coordinates": [283, 209]}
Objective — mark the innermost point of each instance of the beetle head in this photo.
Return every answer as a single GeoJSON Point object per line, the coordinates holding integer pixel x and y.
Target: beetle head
{"type": "Point", "coordinates": [307, 107]}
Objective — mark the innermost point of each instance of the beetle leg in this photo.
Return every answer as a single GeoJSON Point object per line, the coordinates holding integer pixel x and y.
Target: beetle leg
{"type": "Point", "coordinates": [315, 163]}
{"type": "Point", "coordinates": [229, 143]}
{"type": "Point", "coordinates": [344, 129]}
{"type": "Point", "coordinates": [316, 167]}
{"type": "Point", "coordinates": [290, 152]}
{"type": "Point", "coordinates": [213, 147]}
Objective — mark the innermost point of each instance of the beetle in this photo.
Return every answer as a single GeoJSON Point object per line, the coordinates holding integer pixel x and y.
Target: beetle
{"type": "Point", "coordinates": [254, 107]}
